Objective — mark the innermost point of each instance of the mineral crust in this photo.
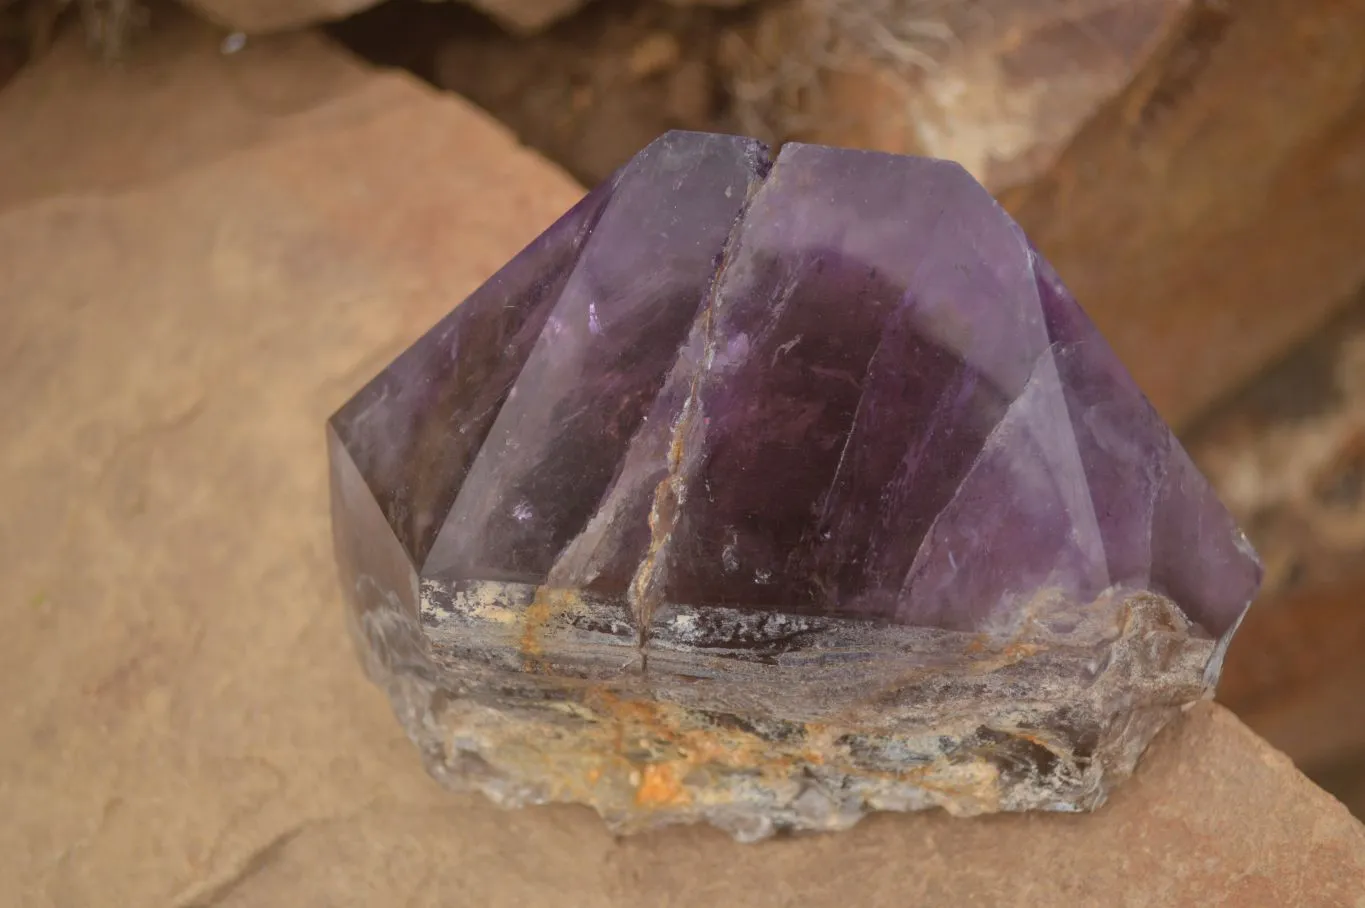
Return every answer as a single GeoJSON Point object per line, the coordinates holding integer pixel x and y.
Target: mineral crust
{"type": "Point", "coordinates": [770, 492]}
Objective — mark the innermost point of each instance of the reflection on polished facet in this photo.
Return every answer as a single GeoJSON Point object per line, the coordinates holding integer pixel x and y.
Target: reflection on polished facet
{"type": "Point", "coordinates": [743, 452]}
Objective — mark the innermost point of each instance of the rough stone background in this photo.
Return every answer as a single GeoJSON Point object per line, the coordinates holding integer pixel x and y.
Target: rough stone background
{"type": "Point", "coordinates": [258, 16]}
{"type": "Point", "coordinates": [1287, 454]}
{"type": "Point", "coordinates": [520, 16]}
{"type": "Point", "coordinates": [200, 257]}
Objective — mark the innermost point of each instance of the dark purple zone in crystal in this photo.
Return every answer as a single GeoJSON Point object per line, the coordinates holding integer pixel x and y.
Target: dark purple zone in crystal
{"type": "Point", "coordinates": [839, 382]}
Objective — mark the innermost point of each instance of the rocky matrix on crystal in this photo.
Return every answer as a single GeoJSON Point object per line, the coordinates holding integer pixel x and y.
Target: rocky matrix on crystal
{"type": "Point", "coordinates": [773, 492]}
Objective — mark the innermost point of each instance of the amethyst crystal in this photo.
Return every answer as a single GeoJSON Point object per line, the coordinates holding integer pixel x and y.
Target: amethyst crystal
{"type": "Point", "coordinates": [770, 492]}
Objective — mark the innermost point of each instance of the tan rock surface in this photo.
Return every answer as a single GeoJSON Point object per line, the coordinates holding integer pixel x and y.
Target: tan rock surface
{"type": "Point", "coordinates": [187, 725]}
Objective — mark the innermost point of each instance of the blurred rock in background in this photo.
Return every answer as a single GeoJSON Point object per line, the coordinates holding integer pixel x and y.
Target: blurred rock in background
{"type": "Point", "coordinates": [999, 85]}
{"type": "Point", "coordinates": [1287, 454]}
{"type": "Point", "coordinates": [521, 17]}
{"type": "Point", "coordinates": [258, 16]}
{"type": "Point", "coordinates": [588, 92]}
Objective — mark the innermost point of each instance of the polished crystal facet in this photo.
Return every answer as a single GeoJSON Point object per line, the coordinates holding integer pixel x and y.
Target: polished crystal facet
{"type": "Point", "coordinates": [746, 440]}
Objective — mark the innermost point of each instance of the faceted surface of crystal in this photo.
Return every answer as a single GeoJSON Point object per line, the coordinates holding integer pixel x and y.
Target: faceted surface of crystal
{"type": "Point", "coordinates": [864, 392]}
{"type": "Point", "coordinates": [834, 386]}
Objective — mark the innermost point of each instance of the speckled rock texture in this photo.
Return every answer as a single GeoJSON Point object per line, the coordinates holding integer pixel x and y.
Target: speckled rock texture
{"type": "Point", "coordinates": [186, 724]}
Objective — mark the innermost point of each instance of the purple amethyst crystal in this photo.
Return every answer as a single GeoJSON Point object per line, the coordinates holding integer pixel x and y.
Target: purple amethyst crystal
{"type": "Point", "coordinates": [771, 492]}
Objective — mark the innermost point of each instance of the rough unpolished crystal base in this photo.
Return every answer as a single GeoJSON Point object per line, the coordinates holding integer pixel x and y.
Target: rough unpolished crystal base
{"type": "Point", "coordinates": [809, 724]}
{"type": "Point", "coordinates": [770, 493]}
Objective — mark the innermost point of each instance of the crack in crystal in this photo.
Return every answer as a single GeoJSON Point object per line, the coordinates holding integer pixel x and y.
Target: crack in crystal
{"type": "Point", "coordinates": [570, 559]}
{"type": "Point", "coordinates": [852, 430]}
{"type": "Point", "coordinates": [671, 492]}
{"type": "Point", "coordinates": [575, 563]}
